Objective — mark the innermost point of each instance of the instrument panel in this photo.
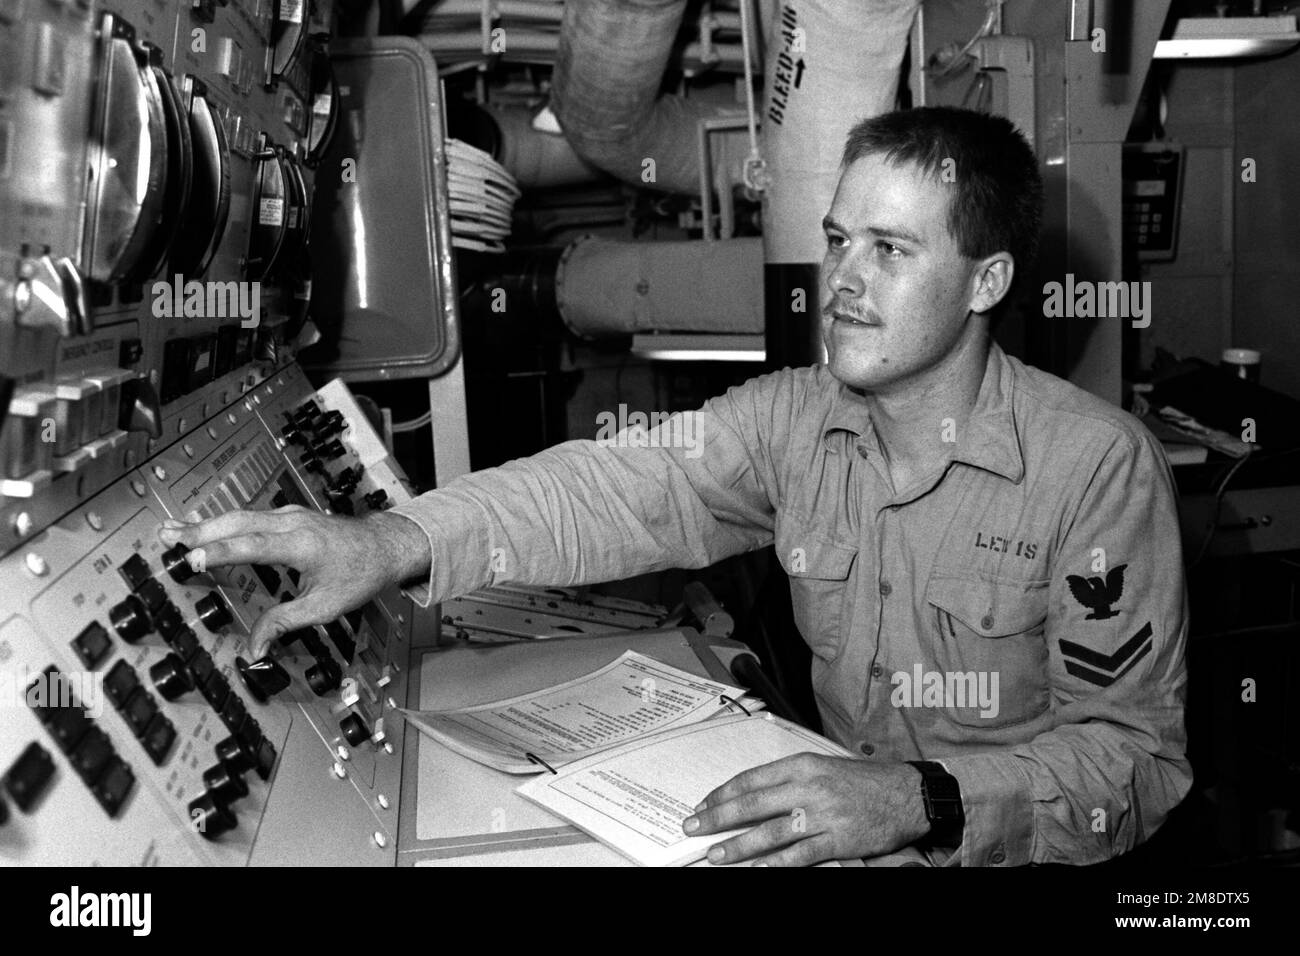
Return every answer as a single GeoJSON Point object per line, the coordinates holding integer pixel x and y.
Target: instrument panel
{"type": "Point", "coordinates": [157, 173]}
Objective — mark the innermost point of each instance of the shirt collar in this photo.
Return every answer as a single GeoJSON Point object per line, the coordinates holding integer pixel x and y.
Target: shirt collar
{"type": "Point", "coordinates": [990, 439]}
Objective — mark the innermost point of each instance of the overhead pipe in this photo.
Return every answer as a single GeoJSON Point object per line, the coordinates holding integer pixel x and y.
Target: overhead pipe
{"type": "Point", "coordinates": [605, 92]}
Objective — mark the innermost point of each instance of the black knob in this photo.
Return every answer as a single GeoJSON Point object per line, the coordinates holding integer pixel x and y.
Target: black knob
{"type": "Point", "coordinates": [304, 412]}
{"type": "Point", "coordinates": [211, 817]}
{"type": "Point", "coordinates": [176, 565]}
{"type": "Point", "coordinates": [376, 499]}
{"type": "Point", "coordinates": [224, 783]}
{"type": "Point", "coordinates": [236, 754]}
{"type": "Point", "coordinates": [130, 619]}
{"type": "Point", "coordinates": [264, 677]}
{"type": "Point", "coordinates": [354, 730]}
{"type": "Point", "coordinates": [331, 424]}
{"type": "Point", "coordinates": [310, 462]}
{"type": "Point", "coordinates": [293, 435]}
{"type": "Point", "coordinates": [345, 480]}
{"type": "Point", "coordinates": [342, 505]}
{"type": "Point", "coordinates": [171, 677]}
{"type": "Point", "coordinates": [324, 676]}
{"type": "Point", "coordinates": [329, 450]}
{"type": "Point", "coordinates": [213, 611]}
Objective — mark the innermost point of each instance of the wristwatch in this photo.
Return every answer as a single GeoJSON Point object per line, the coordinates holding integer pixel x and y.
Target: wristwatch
{"type": "Point", "coordinates": [942, 798]}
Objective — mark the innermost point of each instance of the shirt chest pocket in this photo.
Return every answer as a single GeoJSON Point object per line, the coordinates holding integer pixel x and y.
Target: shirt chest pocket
{"type": "Point", "coordinates": [989, 641]}
{"type": "Point", "coordinates": [820, 590]}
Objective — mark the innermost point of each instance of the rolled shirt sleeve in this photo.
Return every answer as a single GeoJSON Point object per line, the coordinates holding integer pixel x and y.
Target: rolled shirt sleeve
{"type": "Point", "coordinates": [1113, 765]}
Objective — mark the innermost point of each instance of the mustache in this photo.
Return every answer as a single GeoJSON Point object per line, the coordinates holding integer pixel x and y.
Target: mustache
{"type": "Point", "coordinates": [835, 307]}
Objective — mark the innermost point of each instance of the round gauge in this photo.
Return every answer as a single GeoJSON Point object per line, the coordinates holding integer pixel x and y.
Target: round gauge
{"type": "Point", "coordinates": [324, 107]}
{"type": "Point", "coordinates": [288, 30]}
{"type": "Point", "coordinates": [180, 175]}
{"type": "Point", "coordinates": [127, 171]}
{"type": "Point", "coordinates": [209, 207]}
{"type": "Point", "coordinates": [271, 203]}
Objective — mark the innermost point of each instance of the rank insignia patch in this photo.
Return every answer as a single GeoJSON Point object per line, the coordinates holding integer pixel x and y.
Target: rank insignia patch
{"type": "Point", "coordinates": [1104, 669]}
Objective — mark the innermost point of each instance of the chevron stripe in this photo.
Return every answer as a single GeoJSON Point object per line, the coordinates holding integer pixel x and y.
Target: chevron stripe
{"type": "Point", "coordinates": [1106, 662]}
{"type": "Point", "coordinates": [1105, 680]}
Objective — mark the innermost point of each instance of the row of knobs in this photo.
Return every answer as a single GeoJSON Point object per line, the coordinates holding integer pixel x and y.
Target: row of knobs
{"type": "Point", "coordinates": [223, 784]}
{"type": "Point", "coordinates": [134, 616]}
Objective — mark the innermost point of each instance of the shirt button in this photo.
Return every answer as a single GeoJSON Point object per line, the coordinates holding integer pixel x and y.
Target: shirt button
{"type": "Point", "coordinates": [987, 622]}
{"type": "Point", "coordinates": [876, 670]}
{"type": "Point", "coordinates": [867, 749]}
{"type": "Point", "coordinates": [997, 856]}
{"type": "Point", "coordinates": [885, 588]}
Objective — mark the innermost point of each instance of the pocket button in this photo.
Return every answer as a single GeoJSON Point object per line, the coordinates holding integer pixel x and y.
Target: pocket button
{"type": "Point", "coordinates": [885, 588]}
{"type": "Point", "coordinates": [987, 622]}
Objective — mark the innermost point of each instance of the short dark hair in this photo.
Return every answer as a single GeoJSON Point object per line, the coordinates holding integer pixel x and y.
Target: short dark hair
{"type": "Point", "coordinates": [998, 202]}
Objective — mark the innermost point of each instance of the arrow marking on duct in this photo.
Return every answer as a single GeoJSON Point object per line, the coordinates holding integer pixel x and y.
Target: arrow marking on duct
{"type": "Point", "coordinates": [798, 74]}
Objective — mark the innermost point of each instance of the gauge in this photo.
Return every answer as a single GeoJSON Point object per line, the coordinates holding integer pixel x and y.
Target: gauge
{"type": "Point", "coordinates": [127, 168]}
{"type": "Point", "coordinates": [209, 208]}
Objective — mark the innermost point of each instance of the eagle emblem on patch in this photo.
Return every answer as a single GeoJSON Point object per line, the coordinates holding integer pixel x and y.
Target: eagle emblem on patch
{"type": "Point", "coordinates": [1098, 595]}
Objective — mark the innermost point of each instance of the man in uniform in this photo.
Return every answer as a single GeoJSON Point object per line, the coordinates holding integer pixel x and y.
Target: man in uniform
{"type": "Point", "coordinates": [984, 559]}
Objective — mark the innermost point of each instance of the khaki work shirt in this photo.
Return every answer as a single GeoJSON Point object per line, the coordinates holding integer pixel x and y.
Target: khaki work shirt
{"type": "Point", "coordinates": [1018, 615]}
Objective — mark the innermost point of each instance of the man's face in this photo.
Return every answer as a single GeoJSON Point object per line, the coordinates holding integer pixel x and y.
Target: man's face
{"type": "Point", "coordinates": [895, 289]}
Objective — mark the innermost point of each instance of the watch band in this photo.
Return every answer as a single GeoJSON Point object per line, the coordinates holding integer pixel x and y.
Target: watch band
{"type": "Point", "coordinates": [942, 797]}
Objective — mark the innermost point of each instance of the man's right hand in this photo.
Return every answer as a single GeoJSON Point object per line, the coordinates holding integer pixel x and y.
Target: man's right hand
{"type": "Point", "coordinates": [342, 562]}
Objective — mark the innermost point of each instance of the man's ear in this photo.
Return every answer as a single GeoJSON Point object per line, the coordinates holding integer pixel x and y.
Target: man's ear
{"type": "Point", "coordinates": [991, 280]}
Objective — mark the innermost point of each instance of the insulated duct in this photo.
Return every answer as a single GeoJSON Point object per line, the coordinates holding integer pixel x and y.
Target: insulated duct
{"type": "Point", "coordinates": [607, 287]}
{"type": "Point", "coordinates": [829, 65]}
{"type": "Point", "coordinates": [536, 158]}
{"type": "Point", "coordinates": [605, 93]}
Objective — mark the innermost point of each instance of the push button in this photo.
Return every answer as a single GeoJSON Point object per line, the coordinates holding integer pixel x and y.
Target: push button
{"type": "Point", "coordinates": [113, 785]}
{"type": "Point", "coordinates": [215, 690]}
{"type": "Point", "coordinates": [30, 774]}
{"type": "Point", "coordinates": [92, 755]}
{"type": "Point", "coordinates": [867, 749]}
{"type": "Point", "coordinates": [167, 619]}
{"type": "Point", "coordinates": [153, 594]}
{"type": "Point", "coordinates": [186, 645]}
{"type": "Point", "coordinates": [135, 571]}
{"type": "Point", "coordinates": [233, 712]}
{"type": "Point", "coordinates": [139, 710]}
{"type": "Point", "coordinates": [201, 667]}
{"type": "Point", "coordinates": [158, 738]}
{"type": "Point", "coordinates": [92, 645]}
{"type": "Point", "coordinates": [67, 726]}
{"type": "Point", "coordinates": [120, 683]}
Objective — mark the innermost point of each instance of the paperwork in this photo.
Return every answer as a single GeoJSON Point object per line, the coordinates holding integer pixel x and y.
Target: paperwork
{"type": "Point", "coordinates": [630, 698]}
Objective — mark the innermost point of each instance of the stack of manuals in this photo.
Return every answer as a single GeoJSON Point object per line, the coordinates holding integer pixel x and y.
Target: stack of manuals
{"type": "Point", "coordinates": [626, 752]}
